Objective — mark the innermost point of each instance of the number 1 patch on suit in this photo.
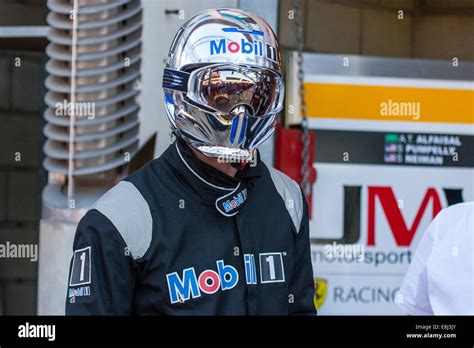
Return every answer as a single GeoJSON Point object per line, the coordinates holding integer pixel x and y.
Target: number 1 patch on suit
{"type": "Point", "coordinates": [81, 267]}
{"type": "Point", "coordinates": [271, 268]}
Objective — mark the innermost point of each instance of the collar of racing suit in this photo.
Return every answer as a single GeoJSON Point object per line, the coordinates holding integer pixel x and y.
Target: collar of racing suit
{"type": "Point", "coordinates": [227, 193]}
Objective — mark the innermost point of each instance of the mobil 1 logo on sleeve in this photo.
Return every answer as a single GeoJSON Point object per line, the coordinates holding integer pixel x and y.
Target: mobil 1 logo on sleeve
{"type": "Point", "coordinates": [271, 268]}
{"type": "Point", "coordinates": [81, 267]}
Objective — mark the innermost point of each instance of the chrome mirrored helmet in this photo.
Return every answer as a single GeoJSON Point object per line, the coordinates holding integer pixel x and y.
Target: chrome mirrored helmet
{"type": "Point", "coordinates": [223, 82]}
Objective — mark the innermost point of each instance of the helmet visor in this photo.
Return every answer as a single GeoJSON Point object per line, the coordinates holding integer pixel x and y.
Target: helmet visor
{"type": "Point", "coordinates": [222, 87]}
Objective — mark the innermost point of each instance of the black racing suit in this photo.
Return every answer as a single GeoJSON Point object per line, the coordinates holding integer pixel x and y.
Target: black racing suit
{"type": "Point", "coordinates": [178, 237]}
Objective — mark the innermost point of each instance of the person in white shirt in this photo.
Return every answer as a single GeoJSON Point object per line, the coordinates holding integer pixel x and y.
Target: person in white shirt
{"type": "Point", "coordinates": [440, 280]}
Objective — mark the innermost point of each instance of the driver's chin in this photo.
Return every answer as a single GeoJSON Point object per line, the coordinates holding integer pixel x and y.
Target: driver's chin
{"type": "Point", "coordinates": [227, 154]}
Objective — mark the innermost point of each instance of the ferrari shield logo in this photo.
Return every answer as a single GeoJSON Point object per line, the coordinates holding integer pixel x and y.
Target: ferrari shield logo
{"type": "Point", "coordinates": [320, 287]}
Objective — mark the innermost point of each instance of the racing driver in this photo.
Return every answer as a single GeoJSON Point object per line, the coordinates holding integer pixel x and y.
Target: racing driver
{"type": "Point", "coordinates": [207, 228]}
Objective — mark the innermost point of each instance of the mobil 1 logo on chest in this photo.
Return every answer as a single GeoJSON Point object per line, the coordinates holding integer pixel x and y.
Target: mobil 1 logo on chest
{"type": "Point", "coordinates": [188, 284]}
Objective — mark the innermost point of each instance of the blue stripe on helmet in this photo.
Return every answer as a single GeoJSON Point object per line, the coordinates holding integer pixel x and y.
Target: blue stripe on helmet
{"type": "Point", "coordinates": [233, 130]}
{"type": "Point", "coordinates": [242, 130]}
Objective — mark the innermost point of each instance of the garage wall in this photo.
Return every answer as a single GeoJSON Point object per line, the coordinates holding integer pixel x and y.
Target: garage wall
{"type": "Point", "coordinates": [21, 176]}
{"type": "Point", "coordinates": [396, 28]}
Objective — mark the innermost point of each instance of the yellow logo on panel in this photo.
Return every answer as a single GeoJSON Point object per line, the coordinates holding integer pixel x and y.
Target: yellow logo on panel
{"type": "Point", "coordinates": [320, 287]}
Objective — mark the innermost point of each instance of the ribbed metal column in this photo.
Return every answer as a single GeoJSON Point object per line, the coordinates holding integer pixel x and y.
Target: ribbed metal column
{"type": "Point", "coordinates": [107, 65]}
{"type": "Point", "coordinates": [94, 62]}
